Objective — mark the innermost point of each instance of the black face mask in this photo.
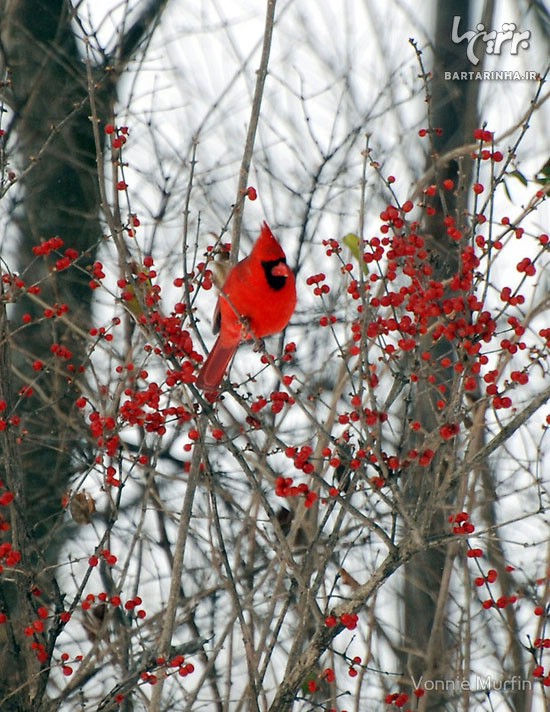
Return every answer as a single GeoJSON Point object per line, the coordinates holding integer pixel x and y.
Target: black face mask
{"type": "Point", "coordinates": [276, 282]}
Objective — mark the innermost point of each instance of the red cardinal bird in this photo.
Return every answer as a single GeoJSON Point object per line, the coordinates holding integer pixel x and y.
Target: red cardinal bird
{"type": "Point", "coordinates": [257, 299]}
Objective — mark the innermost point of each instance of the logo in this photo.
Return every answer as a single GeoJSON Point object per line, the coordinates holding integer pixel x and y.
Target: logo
{"type": "Point", "coordinates": [494, 40]}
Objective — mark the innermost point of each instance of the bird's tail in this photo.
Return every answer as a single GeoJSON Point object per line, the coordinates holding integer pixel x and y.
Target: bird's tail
{"type": "Point", "coordinates": [213, 369]}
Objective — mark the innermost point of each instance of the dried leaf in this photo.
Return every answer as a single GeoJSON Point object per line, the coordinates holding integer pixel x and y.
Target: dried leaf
{"type": "Point", "coordinates": [82, 507]}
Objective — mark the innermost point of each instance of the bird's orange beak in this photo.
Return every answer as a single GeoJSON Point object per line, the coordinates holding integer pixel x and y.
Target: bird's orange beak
{"type": "Point", "coordinates": [280, 270]}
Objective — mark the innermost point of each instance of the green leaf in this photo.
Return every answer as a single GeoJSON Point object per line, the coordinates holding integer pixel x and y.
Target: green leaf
{"type": "Point", "coordinates": [519, 175]}
{"type": "Point", "coordinates": [543, 176]}
{"type": "Point", "coordinates": [353, 243]}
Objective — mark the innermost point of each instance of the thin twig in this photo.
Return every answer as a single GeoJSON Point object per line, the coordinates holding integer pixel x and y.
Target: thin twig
{"type": "Point", "coordinates": [177, 570]}
{"type": "Point", "coordinates": [252, 127]}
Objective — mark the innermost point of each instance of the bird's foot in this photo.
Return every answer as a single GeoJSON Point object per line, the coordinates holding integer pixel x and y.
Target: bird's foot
{"type": "Point", "coordinates": [245, 328]}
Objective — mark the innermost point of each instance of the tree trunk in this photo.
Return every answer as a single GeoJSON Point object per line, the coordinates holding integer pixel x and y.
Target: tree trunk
{"type": "Point", "coordinates": [431, 491]}
{"type": "Point", "coordinates": [53, 154]}
{"type": "Point", "coordinates": [59, 197]}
